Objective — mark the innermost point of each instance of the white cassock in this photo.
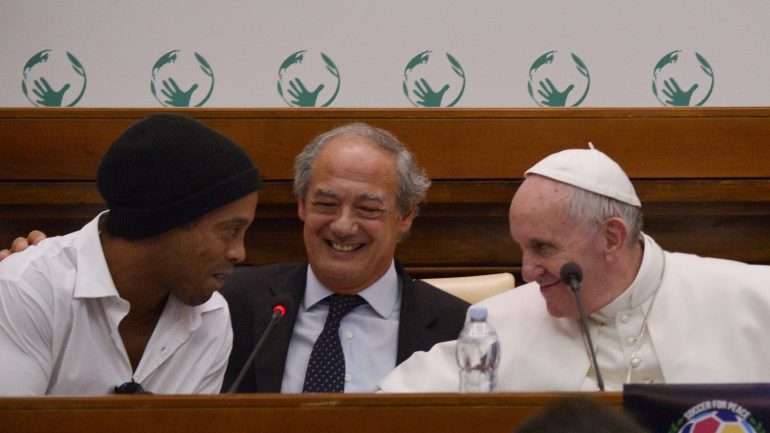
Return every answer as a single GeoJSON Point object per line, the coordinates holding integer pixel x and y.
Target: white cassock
{"type": "Point", "coordinates": [707, 321]}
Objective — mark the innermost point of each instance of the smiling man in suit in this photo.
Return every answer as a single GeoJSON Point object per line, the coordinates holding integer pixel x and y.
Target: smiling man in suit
{"type": "Point", "coordinates": [353, 312]}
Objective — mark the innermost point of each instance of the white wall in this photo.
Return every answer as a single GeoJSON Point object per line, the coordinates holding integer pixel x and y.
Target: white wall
{"type": "Point", "coordinates": [496, 42]}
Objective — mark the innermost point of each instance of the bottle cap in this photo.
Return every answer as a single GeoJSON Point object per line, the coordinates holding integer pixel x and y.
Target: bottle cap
{"type": "Point", "coordinates": [477, 314]}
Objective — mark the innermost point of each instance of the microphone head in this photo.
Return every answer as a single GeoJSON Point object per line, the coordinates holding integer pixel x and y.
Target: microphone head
{"type": "Point", "coordinates": [281, 305]}
{"type": "Point", "coordinates": [279, 309]}
{"type": "Point", "coordinates": [572, 275]}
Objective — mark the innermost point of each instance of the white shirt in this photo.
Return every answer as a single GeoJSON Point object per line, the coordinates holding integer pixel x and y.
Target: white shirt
{"type": "Point", "coordinates": [59, 317]}
{"type": "Point", "coordinates": [368, 334]}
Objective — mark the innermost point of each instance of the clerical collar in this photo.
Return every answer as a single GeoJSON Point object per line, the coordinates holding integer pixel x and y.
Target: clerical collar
{"type": "Point", "coordinates": [643, 287]}
{"type": "Point", "coordinates": [383, 295]}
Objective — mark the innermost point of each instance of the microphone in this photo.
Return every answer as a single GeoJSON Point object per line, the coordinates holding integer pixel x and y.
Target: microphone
{"type": "Point", "coordinates": [572, 275]}
{"type": "Point", "coordinates": [279, 310]}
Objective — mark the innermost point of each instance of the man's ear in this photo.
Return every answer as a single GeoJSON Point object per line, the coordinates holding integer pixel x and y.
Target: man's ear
{"type": "Point", "coordinates": [301, 208]}
{"type": "Point", "coordinates": [615, 235]}
{"type": "Point", "coordinates": [406, 220]}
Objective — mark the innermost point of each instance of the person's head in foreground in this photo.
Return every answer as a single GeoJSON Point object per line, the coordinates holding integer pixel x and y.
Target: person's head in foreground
{"type": "Point", "coordinates": [580, 415]}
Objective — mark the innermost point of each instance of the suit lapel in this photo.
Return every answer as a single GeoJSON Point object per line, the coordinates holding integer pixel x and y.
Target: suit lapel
{"type": "Point", "coordinates": [270, 365]}
{"type": "Point", "coordinates": [416, 318]}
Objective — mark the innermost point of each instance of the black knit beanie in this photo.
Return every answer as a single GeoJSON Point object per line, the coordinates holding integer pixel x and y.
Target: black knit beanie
{"type": "Point", "coordinates": [167, 170]}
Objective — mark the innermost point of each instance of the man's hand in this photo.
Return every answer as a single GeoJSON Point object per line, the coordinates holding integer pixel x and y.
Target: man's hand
{"type": "Point", "coordinates": [20, 244]}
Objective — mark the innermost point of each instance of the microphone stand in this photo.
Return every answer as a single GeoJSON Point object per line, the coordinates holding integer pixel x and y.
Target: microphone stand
{"type": "Point", "coordinates": [587, 335]}
{"type": "Point", "coordinates": [278, 313]}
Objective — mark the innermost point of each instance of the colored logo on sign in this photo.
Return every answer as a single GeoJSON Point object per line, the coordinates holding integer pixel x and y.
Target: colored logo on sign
{"type": "Point", "coordinates": [717, 416]}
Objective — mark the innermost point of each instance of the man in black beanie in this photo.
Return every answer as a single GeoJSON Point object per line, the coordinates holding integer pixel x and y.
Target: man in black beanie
{"type": "Point", "coordinates": [128, 303]}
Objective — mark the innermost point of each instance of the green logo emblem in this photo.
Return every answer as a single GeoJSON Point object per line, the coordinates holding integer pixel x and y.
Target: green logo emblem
{"type": "Point", "coordinates": [434, 80]}
{"type": "Point", "coordinates": [558, 80]}
{"type": "Point", "coordinates": [683, 79]}
{"type": "Point", "coordinates": [180, 79]}
{"type": "Point", "coordinates": [308, 79]}
{"type": "Point", "coordinates": [53, 79]}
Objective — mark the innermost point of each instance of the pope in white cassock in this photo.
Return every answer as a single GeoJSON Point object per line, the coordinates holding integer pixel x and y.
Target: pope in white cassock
{"type": "Point", "coordinates": [654, 316]}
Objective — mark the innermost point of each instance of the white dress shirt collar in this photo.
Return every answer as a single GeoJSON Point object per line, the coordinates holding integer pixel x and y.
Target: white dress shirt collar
{"type": "Point", "coordinates": [94, 279]}
{"type": "Point", "coordinates": [380, 295]}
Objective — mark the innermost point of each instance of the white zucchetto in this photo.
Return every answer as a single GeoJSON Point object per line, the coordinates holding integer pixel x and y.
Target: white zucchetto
{"type": "Point", "coordinates": [588, 169]}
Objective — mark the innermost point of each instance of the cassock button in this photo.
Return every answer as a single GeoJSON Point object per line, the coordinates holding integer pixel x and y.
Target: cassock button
{"type": "Point", "coordinates": [348, 378]}
{"type": "Point", "coordinates": [636, 362]}
{"type": "Point", "coordinates": [630, 340]}
{"type": "Point", "coordinates": [348, 335]}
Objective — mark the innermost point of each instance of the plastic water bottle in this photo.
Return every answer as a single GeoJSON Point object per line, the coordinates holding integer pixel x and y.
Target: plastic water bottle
{"type": "Point", "coordinates": [478, 353]}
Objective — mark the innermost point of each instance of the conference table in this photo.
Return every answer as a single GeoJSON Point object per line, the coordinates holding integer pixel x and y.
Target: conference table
{"type": "Point", "coordinates": [254, 413]}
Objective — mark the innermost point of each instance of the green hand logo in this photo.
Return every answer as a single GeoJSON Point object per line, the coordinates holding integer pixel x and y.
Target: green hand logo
{"type": "Point", "coordinates": [175, 67]}
{"type": "Point", "coordinates": [571, 72]}
{"type": "Point", "coordinates": [680, 66]}
{"type": "Point", "coordinates": [303, 97]}
{"type": "Point", "coordinates": [552, 97]}
{"type": "Point", "coordinates": [48, 96]}
{"type": "Point", "coordinates": [426, 72]}
{"type": "Point", "coordinates": [676, 96]}
{"type": "Point", "coordinates": [425, 94]}
{"type": "Point", "coordinates": [177, 97]}
{"type": "Point", "coordinates": [47, 65]}
{"type": "Point", "coordinates": [303, 70]}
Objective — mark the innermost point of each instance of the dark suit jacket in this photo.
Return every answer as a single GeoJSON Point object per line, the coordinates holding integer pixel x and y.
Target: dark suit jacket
{"type": "Point", "coordinates": [428, 316]}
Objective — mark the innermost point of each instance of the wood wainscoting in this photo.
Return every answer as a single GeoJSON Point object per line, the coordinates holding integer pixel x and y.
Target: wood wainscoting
{"type": "Point", "coordinates": [702, 174]}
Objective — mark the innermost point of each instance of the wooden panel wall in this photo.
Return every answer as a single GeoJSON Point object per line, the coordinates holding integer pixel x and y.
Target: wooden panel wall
{"type": "Point", "coordinates": [702, 174]}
